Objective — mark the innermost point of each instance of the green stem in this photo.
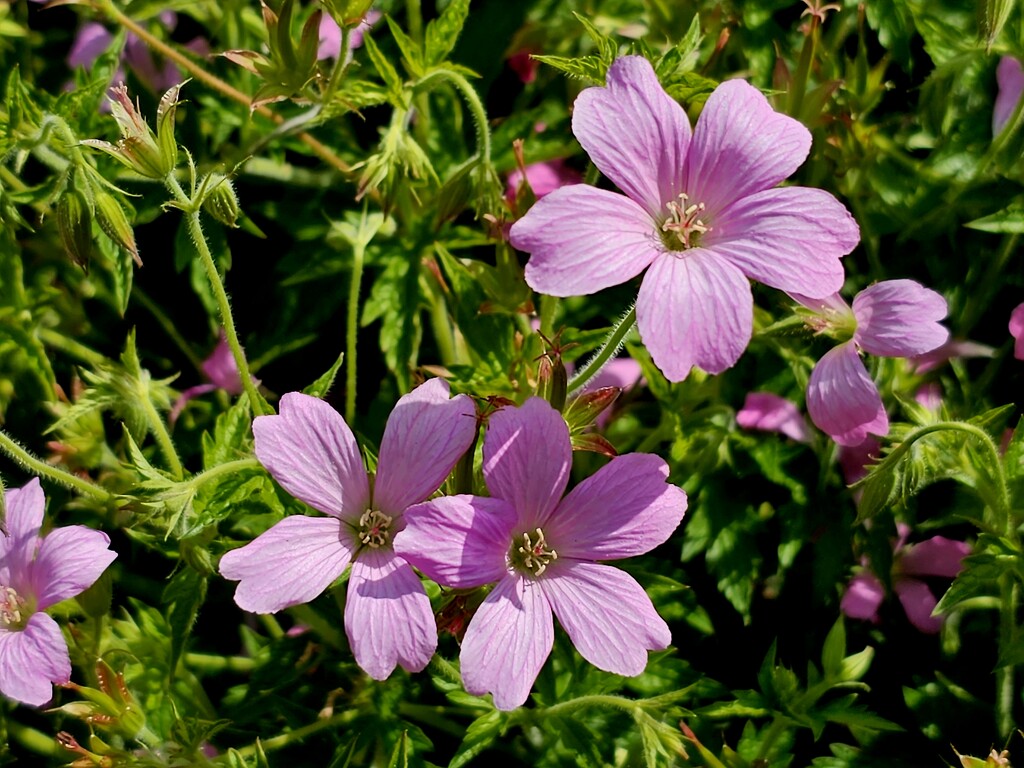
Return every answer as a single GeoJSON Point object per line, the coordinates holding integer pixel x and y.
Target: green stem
{"type": "Point", "coordinates": [476, 107]}
{"type": "Point", "coordinates": [69, 346]}
{"type": "Point", "coordinates": [212, 663]}
{"type": "Point", "coordinates": [352, 328]}
{"type": "Point", "coordinates": [270, 624]}
{"type": "Point", "coordinates": [596, 700]}
{"type": "Point", "coordinates": [163, 437]}
{"type": "Point", "coordinates": [340, 65]}
{"type": "Point", "coordinates": [33, 740]}
{"type": "Point", "coordinates": [440, 323]}
{"type": "Point", "coordinates": [195, 229]}
{"type": "Point", "coordinates": [414, 19]}
{"type": "Point", "coordinates": [25, 459]}
{"type": "Point", "coordinates": [278, 742]}
{"type": "Point", "coordinates": [1008, 640]}
{"type": "Point", "coordinates": [221, 469]}
{"type": "Point", "coordinates": [776, 729]}
{"type": "Point", "coordinates": [607, 351]}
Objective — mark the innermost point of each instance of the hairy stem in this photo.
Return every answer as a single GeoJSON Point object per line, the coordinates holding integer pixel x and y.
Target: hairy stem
{"type": "Point", "coordinates": [163, 437]}
{"type": "Point", "coordinates": [607, 351]}
{"type": "Point", "coordinates": [26, 460]}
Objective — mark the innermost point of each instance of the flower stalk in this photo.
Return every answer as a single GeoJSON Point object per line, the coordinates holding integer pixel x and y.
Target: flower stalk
{"type": "Point", "coordinates": [26, 460]}
{"type": "Point", "coordinates": [607, 351]}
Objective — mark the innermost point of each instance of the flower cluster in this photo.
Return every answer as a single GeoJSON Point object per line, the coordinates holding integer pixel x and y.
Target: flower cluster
{"type": "Point", "coordinates": [541, 551]}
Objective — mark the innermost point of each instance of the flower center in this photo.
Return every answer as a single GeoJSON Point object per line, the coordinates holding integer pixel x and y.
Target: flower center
{"type": "Point", "coordinates": [531, 553]}
{"type": "Point", "coordinates": [374, 529]}
{"type": "Point", "coordinates": [12, 613]}
{"type": "Point", "coordinates": [683, 228]}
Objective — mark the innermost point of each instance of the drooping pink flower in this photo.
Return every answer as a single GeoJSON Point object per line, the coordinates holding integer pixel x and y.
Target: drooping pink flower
{"type": "Point", "coordinates": [1017, 331]}
{"type": "Point", "coordinates": [543, 178]}
{"type": "Point", "coordinates": [952, 349]}
{"type": "Point", "coordinates": [935, 557]}
{"type": "Point", "coordinates": [35, 573]}
{"type": "Point", "coordinates": [1010, 80]}
{"type": "Point", "coordinates": [330, 35]}
{"type": "Point", "coordinates": [701, 213]}
{"type": "Point", "coordinates": [221, 370]}
{"type": "Point", "coordinates": [544, 551]}
{"type": "Point", "coordinates": [311, 452]}
{"type": "Point", "coordinates": [894, 318]}
{"type": "Point", "coordinates": [770, 413]}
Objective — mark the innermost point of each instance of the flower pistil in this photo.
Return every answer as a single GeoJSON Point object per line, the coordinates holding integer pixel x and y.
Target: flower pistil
{"type": "Point", "coordinates": [533, 555]}
{"type": "Point", "coordinates": [375, 529]}
{"type": "Point", "coordinates": [11, 605]}
{"type": "Point", "coordinates": [685, 223]}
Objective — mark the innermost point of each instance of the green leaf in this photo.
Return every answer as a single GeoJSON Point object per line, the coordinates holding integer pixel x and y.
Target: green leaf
{"type": "Point", "coordinates": [230, 438]}
{"type": "Point", "coordinates": [400, 754]}
{"type": "Point", "coordinates": [412, 56]}
{"type": "Point", "coordinates": [323, 384]}
{"type": "Point", "coordinates": [834, 650]}
{"type": "Point", "coordinates": [481, 733]}
{"type": "Point", "coordinates": [387, 72]}
{"type": "Point", "coordinates": [184, 595]}
{"type": "Point", "coordinates": [443, 32]}
{"type": "Point", "coordinates": [590, 69]}
{"type": "Point", "coordinates": [395, 301]}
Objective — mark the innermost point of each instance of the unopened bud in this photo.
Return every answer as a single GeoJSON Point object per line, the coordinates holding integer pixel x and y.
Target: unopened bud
{"type": "Point", "coordinates": [220, 201]}
{"type": "Point", "coordinates": [552, 380]}
{"type": "Point", "coordinates": [584, 410]}
{"type": "Point", "coordinates": [74, 223]}
{"type": "Point", "coordinates": [114, 222]}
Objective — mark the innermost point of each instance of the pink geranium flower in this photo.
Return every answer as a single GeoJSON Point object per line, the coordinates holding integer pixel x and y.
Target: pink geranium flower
{"type": "Point", "coordinates": [543, 178]}
{"type": "Point", "coordinates": [934, 557]}
{"type": "Point", "coordinates": [1017, 331]}
{"type": "Point", "coordinates": [1010, 79]}
{"type": "Point", "coordinates": [221, 371]}
{"type": "Point", "coordinates": [330, 35]}
{"type": "Point", "coordinates": [700, 214]}
{"type": "Point", "coordinates": [542, 550]}
{"type": "Point", "coordinates": [35, 573]}
{"type": "Point", "coordinates": [311, 452]}
{"type": "Point", "coordinates": [894, 318]}
{"type": "Point", "coordinates": [770, 413]}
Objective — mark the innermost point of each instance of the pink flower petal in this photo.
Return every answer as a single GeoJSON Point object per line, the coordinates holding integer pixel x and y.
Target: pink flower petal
{"type": "Point", "coordinates": [918, 602]}
{"type": "Point", "coordinates": [458, 541]}
{"type": "Point", "coordinates": [694, 310]}
{"type": "Point", "coordinates": [842, 399]}
{"type": "Point", "coordinates": [899, 318]}
{"type": "Point", "coordinates": [863, 597]}
{"type": "Point", "coordinates": [607, 615]}
{"type": "Point", "coordinates": [1010, 79]}
{"type": "Point", "coordinates": [770, 413]}
{"type": "Point", "coordinates": [220, 367]}
{"type": "Point", "coordinates": [954, 348]}
{"type": "Point", "coordinates": [1017, 331]}
{"type": "Point", "coordinates": [791, 238]}
{"type": "Point", "coordinates": [310, 451]}
{"type": "Point", "coordinates": [90, 42]}
{"type": "Point", "coordinates": [507, 642]}
{"type": "Point", "coordinates": [937, 556]}
{"type": "Point", "coordinates": [855, 459]}
{"type": "Point", "coordinates": [289, 564]}
{"type": "Point", "coordinates": [527, 458]}
{"type": "Point", "coordinates": [622, 372]}
{"type": "Point", "coordinates": [543, 178]}
{"type": "Point", "coordinates": [741, 146]}
{"type": "Point", "coordinates": [635, 133]}
{"type": "Point", "coordinates": [388, 618]}
{"type": "Point", "coordinates": [426, 434]}
{"type": "Point", "coordinates": [32, 659]}
{"type": "Point", "coordinates": [582, 239]}
{"type": "Point", "coordinates": [626, 508]}
{"type": "Point", "coordinates": [69, 561]}
{"type": "Point", "coordinates": [24, 519]}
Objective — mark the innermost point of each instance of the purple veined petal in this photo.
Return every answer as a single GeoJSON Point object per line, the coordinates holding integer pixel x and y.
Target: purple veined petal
{"type": "Point", "coordinates": [791, 238]}
{"type": "Point", "coordinates": [626, 508]}
{"type": "Point", "coordinates": [741, 146]}
{"type": "Point", "coordinates": [458, 541]}
{"type": "Point", "coordinates": [899, 318]}
{"type": "Point", "coordinates": [768, 412]}
{"type": "Point", "coordinates": [607, 615]}
{"type": "Point", "coordinates": [694, 310]}
{"type": "Point", "coordinates": [289, 564]}
{"type": "Point", "coordinates": [25, 507]}
{"type": "Point", "coordinates": [527, 458]}
{"type": "Point", "coordinates": [311, 452]}
{"type": "Point", "coordinates": [582, 240]}
{"type": "Point", "coordinates": [954, 348]}
{"type": "Point", "coordinates": [842, 399]}
{"type": "Point", "coordinates": [69, 561]}
{"type": "Point", "coordinates": [388, 618]}
{"type": "Point", "coordinates": [188, 394]}
{"type": "Point", "coordinates": [937, 556]}
{"type": "Point", "coordinates": [863, 597]}
{"type": "Point", "coordinates": [918, 602]}
{"type": "Point", "coordinates": [622, 372]}
{"type": "Point", "coordinates": [507, 642]}
{"type": "Point", "coordinates": [32, 660]}
{"type": "Point", "coordinates": [1017, 331]}
{"type": "Point", "coordinates": [91, 41]}
{"type": "Point", "coordinates": [426, 433]}
{"type": "Point", "coordinates": [1010, 81]}
{"type": "Point", "coordinates": [636, 134]}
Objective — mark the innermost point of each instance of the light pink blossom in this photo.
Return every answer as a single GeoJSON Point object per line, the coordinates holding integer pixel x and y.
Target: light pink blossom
{"type": "Point", "coordinates": [770, 413]}
{"type": "Point", "coordinates": [1010, 81]}
{"type": "Point", "coordinates": [1017, 331]}
{"type": "Point", "coordinates": [952, 349]}
{"type": "Point", "coordinates": [934, 557]}
{"type": "Point", "coordinates": [311, 452]}
{"type": "Point", "coordinates": [330, 35]}
{"type": "Point", "coordinates": [894, 318]}
{"type": "Point", "coordinates": [543, 552]}
{"type": "Point", "coordinates": [221, 371]}
{"type": "Point", "coordinates": [701, 214]}
{"type": "Point", "coordinates": [543, 178]}
{"type": "Point", "coordinates": [35, 573]}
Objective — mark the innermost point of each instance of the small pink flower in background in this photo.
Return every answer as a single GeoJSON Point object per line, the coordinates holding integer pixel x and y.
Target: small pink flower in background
{"type": "Point", "coordinates": [855, 460]}
{"type": "Point", "coordinates": [1017, 331]}
{"type": "Point", "coordinates": [543, 178]}
{"type": "Point", "coordinates": [770, 413]}
{"type": "Point", "coordinates": [1010, 79]}
{"type": "Point", "coordinates": [701, 213]}
{"type": "Point", "coordinates": [935, 557]}
{"type": "Point", "coordinates": [543, 552]}
{"type": "Point", "coordinates": [221, 371]}
{"type": "Point", "coordinates": [311, 452]}
{"type": "Point", "coordinates": [622, 372]}
{"type": "Point", "coordinates": [35, 573]}
{"type": "Point", "coordinates": [952, 349]}
{"type": "Point", "coordinates": [330, 35]}
{"type": "Point", "coordinates": [524, 65]}
{"type": "Point", "coordinates": [894, 318]}
{"type": "Point", "coordinates": [929, 396]}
